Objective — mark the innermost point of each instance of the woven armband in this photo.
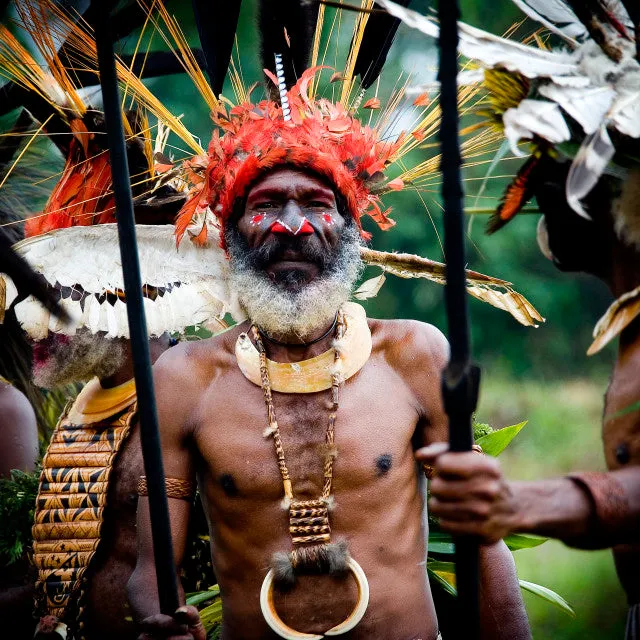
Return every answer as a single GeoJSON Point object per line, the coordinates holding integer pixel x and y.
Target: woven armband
{"type": "Point", "coordinates": [176, 488]}
{"type": "Point", "coordinates": [610, 509]}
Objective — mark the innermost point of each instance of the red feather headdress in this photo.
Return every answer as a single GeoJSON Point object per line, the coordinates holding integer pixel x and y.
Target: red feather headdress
{"type": "Point", "coordinates": [83, 195]}
{"type": "Point", "coordinates": [321, 136]}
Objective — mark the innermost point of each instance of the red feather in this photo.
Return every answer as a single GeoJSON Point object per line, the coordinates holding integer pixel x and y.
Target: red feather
{"type": "Point", "coordinates": [517, 194]}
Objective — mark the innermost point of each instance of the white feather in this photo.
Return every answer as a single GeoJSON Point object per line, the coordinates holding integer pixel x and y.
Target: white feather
{"type": "Point", "coordinates": [588, 106]}
{"type": "Point", "coordinates": [534, 118]}
{"type": "Point", "coordinates": [556, 16]}
{"type": "Point", "coordinates": [33, 318]}
{"type": "Point", "coordinates": [491, 50]}
{"type": "Point", "coordinates": [625, 114]}
{"type": "Point", "coordinates": [89, 257]}
{"type": "Point", "coordinates": [587, 167]}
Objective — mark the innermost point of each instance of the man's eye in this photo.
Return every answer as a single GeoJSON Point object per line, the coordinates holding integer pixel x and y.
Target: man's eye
{"type": "Point", "coordinates": [316, 204]}
{"type": "Point", "coordinates": [266, 205]}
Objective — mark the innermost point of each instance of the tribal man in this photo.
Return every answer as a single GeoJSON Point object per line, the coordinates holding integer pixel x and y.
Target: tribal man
{"type": "Point", "coordinates": [84, 529]}
{"type": "Point", "coordinates": [301, 423]}
{"type": "Point", "coordinates": [587, 510]}
{"type": "Point", "coordinates": [576, 110]}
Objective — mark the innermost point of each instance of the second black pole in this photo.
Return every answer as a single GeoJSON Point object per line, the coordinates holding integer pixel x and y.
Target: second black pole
{"type": "Point", "coordinates": [460, 379]}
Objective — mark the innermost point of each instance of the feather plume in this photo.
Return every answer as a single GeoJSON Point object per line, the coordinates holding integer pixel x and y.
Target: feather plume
{"type": "Point", "coordinates": [493, 291]}
{"type": "Point", "coordinates": [376, 41]}
{"type": "Point", "coordinates": [620, 314]}
{"type": "Point", "coordinates": [287, 28]}
{"type": "Point", "coordinates": [217, 37]}
{"type": "Point", "coordinates": [589, 164]}
{"type": "Point", "coordinates": [518, 193]}
{"type": "Point", "coordinates": [181, 287]}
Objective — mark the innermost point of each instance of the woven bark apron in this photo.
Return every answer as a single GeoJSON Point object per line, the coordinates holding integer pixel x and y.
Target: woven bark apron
{"type": "Point", "coordinates": [72, 497]}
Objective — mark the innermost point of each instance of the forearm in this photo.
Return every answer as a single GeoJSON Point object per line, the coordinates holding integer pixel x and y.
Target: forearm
{"type": "Point", "coordinates": [502, 612]}
{"type": "Point", "coordinates": [142, 590]}
{"type": "Point", "coordinates": [594, 510]}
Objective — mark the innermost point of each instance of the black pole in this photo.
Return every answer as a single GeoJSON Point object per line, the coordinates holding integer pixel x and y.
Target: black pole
{"type": "Point", "coordinates": [151, 450]}
{"type": "Point", "coordinates": [217, 24]}
{"type": "Point", "coordinates": [460, 379]}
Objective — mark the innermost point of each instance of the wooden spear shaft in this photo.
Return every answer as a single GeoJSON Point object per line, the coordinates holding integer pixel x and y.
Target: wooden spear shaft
{"type": "Point", "coordinates": [460, 379]}
{"type": "Point", "coordinates": [150, 439]}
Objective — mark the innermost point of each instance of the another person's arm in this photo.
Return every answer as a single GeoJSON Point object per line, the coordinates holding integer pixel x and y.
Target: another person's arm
{"type": "Point", "coordinates": [502, 612]}
{"type": "Point", "coordinates": [18, 432]}
{"type": "Point", "coordinates": [588, 510]}
{"type": "Point", "coordinates": [174, 406]}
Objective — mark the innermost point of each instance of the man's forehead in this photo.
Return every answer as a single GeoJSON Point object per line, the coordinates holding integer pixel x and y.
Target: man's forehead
{"type": "Point", "coordinates": [290, 179]}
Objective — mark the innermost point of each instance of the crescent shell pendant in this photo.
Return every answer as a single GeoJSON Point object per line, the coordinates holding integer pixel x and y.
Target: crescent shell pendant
{"type": "Point", "coordinates": [273, 619]}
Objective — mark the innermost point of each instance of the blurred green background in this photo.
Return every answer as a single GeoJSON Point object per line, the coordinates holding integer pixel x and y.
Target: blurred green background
{"type": "Point", "coordinates": [541, 375]}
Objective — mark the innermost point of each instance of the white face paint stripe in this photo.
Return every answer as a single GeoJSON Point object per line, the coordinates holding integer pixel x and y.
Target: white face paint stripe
{"type": "Point", "coordinates": [289, 229]}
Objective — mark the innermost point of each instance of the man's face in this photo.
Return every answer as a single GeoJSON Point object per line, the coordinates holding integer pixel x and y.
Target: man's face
{"type": "Point", "coordinates": [292, 226]}
{"type": "Point", "coordinates": [294, 258]}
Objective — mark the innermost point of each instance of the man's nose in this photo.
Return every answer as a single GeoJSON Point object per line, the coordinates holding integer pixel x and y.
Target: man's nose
{"type": "Point", "coordinates": [292, 221]}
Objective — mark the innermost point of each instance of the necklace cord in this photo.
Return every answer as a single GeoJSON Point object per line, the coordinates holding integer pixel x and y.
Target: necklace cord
{"type": "Point", "coordinates": [273, 428]}
{"type": "Point", "coordinates": [301, 344]}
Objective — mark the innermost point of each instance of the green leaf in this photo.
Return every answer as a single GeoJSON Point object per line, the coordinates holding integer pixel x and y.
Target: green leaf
{"type": "Point", "coordinates": [517, 541]}
{"type": "Point", "coordinates": [548, 595]}
{"type": "Point", "coordinates": [440, 542]}
{"type": "Point", "coordinates": [199, 597]}
{"type": "Point", "coordinates": [495, 443]}
{"type": "Point", "coordinates": [211, 615]}
{"type": "Point", "coordinates": [451, 590]}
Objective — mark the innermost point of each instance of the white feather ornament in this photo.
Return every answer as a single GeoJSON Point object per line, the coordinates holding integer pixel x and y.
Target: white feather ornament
{"type": "Point", "coordinates": [534, 118]}
{"type": "Point", "coordinates": [185, 286]}
{"type": "Point", "coordinates": [589, 164]}
{"type": "Point", "coordinates": [491, 51]}
{"type": "Point", "coordinates": [587, 105]}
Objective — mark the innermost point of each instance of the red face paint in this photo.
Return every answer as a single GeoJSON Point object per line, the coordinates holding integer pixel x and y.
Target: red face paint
{"type": "Point", "coordinates": [328, 218]}
{"type": "Point", "coordinates": [257, 219]}
{"type": "Point", "coordinates": [305, 228]}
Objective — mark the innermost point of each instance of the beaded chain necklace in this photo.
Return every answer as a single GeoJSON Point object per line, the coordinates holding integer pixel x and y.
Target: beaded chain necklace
{"type": "Point", "coordinates": [309, 528]}
{"type": "Point", "coordinates": [308, 519]}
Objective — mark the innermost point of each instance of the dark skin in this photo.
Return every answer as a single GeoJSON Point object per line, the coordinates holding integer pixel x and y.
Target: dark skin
{"type": "Point", "coordinates": [106, 604]}
{"type": "Point", "coordinates": [19, 431]}
{"type": "Point", "coordinates": [212, 420]}
{"type": "Point", "coordinates": [471, 495]}
{"type": "Point", "coordinates": [19, 450]}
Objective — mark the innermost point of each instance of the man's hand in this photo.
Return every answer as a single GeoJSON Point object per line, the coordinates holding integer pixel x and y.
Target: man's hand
{"type": "Point", "coordinates": [469, 493]}
{"type": "Point", "coordinates": [185, 624]}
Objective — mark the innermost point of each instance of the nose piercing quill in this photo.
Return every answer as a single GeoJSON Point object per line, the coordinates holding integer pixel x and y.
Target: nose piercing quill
{"type": "Point", "coordinates": [304, 228]}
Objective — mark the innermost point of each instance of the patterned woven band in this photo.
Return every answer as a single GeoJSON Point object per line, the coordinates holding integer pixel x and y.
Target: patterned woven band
{"type": "Point", "coordinates": [176, 488]}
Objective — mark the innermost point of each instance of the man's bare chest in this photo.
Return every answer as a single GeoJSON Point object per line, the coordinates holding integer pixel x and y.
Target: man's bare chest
{"type": "Point", "coordinates": [375, 424]}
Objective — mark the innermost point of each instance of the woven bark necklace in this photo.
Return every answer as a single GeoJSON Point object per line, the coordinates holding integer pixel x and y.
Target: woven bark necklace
{"type": "Point", "coordinates": [313, 552]}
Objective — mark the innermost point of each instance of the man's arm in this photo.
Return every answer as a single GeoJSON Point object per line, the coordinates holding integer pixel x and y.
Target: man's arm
{"type": "Point", "coordinates": [18, 432]}
{"type": "Point", "coordinates": [587, 510]}
{"type": "Point", "coordinates": [176, 397]}
{"type": "Point", "coordinates": [502, 612]}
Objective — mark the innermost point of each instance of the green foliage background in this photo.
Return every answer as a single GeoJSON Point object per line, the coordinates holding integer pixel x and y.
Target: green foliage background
{"type": "Point", "coordinates": [541, 375]}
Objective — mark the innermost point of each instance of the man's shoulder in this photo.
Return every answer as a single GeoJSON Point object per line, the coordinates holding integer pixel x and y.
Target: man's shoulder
{"type": "Point", "coordinates": [401, 335]}
{"type": "Point", "coordinates": [198, 362]}
{"type": "Point", "coordinates": [408, 344]}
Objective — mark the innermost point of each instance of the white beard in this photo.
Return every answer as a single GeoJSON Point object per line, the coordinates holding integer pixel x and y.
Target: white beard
{"type": "Point", "coordinates": [282, 312]}
{"type": "Point", "coordinates": [84, 356]}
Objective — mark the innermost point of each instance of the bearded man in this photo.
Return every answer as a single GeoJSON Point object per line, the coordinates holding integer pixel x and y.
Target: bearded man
{"type": "Point", "coordinates": [301, 423]}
